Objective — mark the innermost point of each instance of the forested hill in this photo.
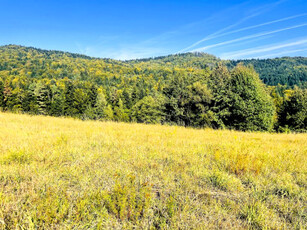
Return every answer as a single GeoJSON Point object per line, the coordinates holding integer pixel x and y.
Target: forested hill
{"type": "Point", "coordinates": [288, 71]}
{"type": "Point", "coordinates": [285, 71]}
{"type": "Point", "coordinates": [191, 89]}
{"type": "Point", "coordinates": [196, 60]}
{"type": "Point", "coordinates": [40, 63]}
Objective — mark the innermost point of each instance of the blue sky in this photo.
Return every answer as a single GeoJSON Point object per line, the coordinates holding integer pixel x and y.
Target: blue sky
{"type": "Point", "coordinates": [139, 28]}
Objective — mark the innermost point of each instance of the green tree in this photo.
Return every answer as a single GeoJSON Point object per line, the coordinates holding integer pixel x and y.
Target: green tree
{"type": "Point", "coordinates": [177, 98]}
{"type": "Point", "coordinates": [149, 110]}
{"type": "Point", "coordinates": [108, 113]}
{"type": "Point", "coordinates": [8, 95]}
{"type": "Point", "coordinates": [251, 108]}
{"type": "Point", "coordinates": [57, 101]}
{"type": "Point", "coordinates": [1, 94]}
{"type": "Point", "coordinates": [69, 90]}
{"type": "Point", "coordinates": [293, 112]}
{"type": "Point", "coordinates": [92, 93]}
{"type": "Point", "coordinates": [197, 105]}
{"type": "Point", "coordinates": [29, 101]}
{"type": "Point", "coordinates": [80, 101]}
{"type": "Point", "coordinates": [127, 98]}
{"type": "Point", "coordinates": [219, 84]}
{"type": "Point", "coordinates": [187, 101]}
{"type": "Point", "coordinates": [101, 105]}
{"type": "Point", "coordinates": [42, 93]}
{"type": "Point", "coordinates": [120, 113]}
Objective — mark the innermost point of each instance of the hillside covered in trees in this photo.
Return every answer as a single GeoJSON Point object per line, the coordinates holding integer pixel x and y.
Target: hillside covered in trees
{"type": "Point", "coordinates": [285, 71]}
{"type": "Point", "coordinates": [192, 89]}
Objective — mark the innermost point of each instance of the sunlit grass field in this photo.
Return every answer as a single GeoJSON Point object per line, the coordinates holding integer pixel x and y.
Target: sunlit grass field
{"type": "Point", "coordinates": [61, 173]}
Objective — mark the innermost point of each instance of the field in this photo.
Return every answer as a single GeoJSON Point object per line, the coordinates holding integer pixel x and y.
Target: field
{"type": "Point", "coordinates": [62, 173]}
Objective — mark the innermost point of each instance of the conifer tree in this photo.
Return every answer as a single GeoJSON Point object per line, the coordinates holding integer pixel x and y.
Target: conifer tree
{"type": "Point", "coordinates": [42, 94]}
{"type": "Point", "coordinates": [1, 94]}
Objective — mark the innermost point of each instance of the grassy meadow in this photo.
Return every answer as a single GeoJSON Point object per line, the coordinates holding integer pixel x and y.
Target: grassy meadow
{"type": "Point", "coordinates": [62, 173]}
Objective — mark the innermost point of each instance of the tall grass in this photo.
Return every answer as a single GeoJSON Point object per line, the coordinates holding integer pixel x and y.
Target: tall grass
{"type": "Point", "coordinates": [60, 173]}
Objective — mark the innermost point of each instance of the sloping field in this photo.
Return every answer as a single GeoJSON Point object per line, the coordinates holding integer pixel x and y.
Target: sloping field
{"type": "Point", "coordinates": [60, 173]}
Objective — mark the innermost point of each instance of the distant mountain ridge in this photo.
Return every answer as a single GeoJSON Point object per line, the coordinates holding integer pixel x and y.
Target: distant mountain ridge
{"type": "Point", "coordinates": [288, 71]}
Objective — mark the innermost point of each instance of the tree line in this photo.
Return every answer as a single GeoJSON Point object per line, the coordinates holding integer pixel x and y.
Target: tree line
{"type": "Point", "coordinates": [234, 99]}
{"type": "Point", "coordinates": [177, 92]}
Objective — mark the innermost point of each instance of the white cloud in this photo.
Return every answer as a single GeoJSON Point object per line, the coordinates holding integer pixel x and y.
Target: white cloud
{"type": "Point", "coordinates": [248, 37]}
{"type": "Point", "coordinates": [262, 49]}
{"type": "Point", "coordinates": [258, 12]}
{"type": "Point", "coordinates": [283, 53]}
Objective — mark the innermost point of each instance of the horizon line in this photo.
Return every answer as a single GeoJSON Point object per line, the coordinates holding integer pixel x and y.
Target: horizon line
{"type": "Point", "coordinates": [154, 57]}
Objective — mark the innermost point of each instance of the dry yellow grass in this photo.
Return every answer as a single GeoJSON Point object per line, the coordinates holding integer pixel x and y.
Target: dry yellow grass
{"type": "Point", "coordinates": [60, 173]}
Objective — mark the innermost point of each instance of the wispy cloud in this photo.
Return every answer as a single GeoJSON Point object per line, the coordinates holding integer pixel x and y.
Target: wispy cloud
{"type": "Point", "coordinates": [249, 37]}
{"type": "Point", "coordinates": [262, 49]}
{"type": "Point", "coordinates": [165, 43]}
{"type": "Point", "coordinates": [287, 52]}
{"type": "Point", "coordinates": [243, 29]}
{"type": "Point", "coordinates": [188, 28]}
{"type": "Point", "coordinates": [258, 11]}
